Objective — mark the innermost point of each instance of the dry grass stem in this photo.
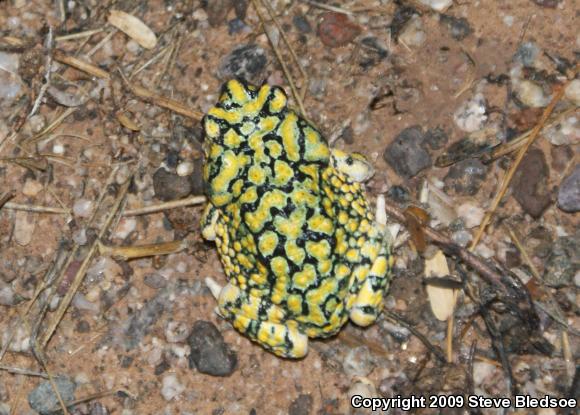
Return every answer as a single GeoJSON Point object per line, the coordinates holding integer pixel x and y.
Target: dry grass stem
{"type": "Point", "coordinates": [509, 175]}
{"type": "Point", "coordinates": [79, 35]}
{"type": "Point", "coordinates": [142, 251]}
{"type": "Point", "coordinates": [37, 209]}
{"type": "Point", "coordinates": [188, 201]}
{"type": "Point", "coordinates": [80, 274]}
{"type": "Point", "coordinates": [25, 372]}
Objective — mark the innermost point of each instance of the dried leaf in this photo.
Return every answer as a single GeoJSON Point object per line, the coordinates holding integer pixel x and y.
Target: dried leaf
{"type": "Point", "coordinates": [134, 28]}
{"type": "Point", "coordinates": [441, 299]}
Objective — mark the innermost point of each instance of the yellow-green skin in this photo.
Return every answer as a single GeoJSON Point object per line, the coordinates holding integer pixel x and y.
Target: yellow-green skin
{"type": "Point", "coordinates": [294, 232]}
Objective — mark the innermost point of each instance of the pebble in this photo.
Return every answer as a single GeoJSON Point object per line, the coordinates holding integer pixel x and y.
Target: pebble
{"type": "Point", "coordinates": [170, 186]}
{"type": "Point", "coordinates": [4, 409]}
{"type": "Point", "coordinates": [471, 214]}
{"type": "Point", "coordinates": [526, 54]}
{"type": "Point", "coordinates": [465, 177]}
{"type": "Point", "coordinates": [7, 295]}
{"type": "Point", "coordinates": [20, 342]}
{"type": "Point", "coordinates": [406, 154]}
{"type": "Point", "coordinates": [58, 149]}
{"type": "Point", "coordinates": [551, 4]}
{"type": "Point", "coordinates": [125, 227]}
{"type": "Point", "coordinates": [564, 261]}
{"type": "Point", "coordinates": [301, 23]}
{"type": "Point", "coordinates": [217, 10]}
{"type": "Point", "coordinates": [155, 281]}
{"type": "Point", "coordinates": [31, 187]}
{"type": "Point", "coordinates": [458, 27]}
{"type": "Point", "coordinates": [471, 115]}
{"type": "Point", "coordinates": [412, 33]}
{"type": "Point", "coordinates": [561, 156]}
{"type": "Point", "coordinates": [246, 62]}
{"type": "Point", "coordinates": [176, 332]}
{"type": "Point", "coordinates": [358, 362]}
{"type": "Point", "coordinates": [238, 26]}
{"type": "Point", "coordinates": [171, 388]}
{"type": "Point", "coordinates": [184, 168]}
{"type": "Point", "coordinates": [209, 352]}
{"type": "Point", "coordinates": [573, 91]}
{"type": "Point", "coordinates": [37, 123]}
{"type": "Point", "coordinates": [530, 94]}
{"type": "Point", "coordinates": [569, 192]}
{"type": "Point", "coordinates": [436, 138]}
{"type": "Point", "coordinates": [24, 226]}
{"type": "Point", "coordinates": [10, 85]}
{"type": "Point", "coordinates": [336, 29]}
{"type": "Point", "coordinates": [438, 5]}
{"type": "Point", "coordinates": [301, 405]}
{"type": "Point", "coordinates": [566, 132]}
{"type": "Point", "coordinates": [83, 208]}
{"type": "Point", "coordinates": [482, 371]}
{"type": "Point", "coordinates": [80, 236]}
{"type": "Point", "coordinates": [530, 184]}
{"type": "Point", "coordinates": [43, 399]}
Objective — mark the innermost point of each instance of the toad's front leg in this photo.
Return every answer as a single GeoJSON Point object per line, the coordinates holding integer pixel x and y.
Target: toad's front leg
{"type": "Point", "coordinates": [260, 320]}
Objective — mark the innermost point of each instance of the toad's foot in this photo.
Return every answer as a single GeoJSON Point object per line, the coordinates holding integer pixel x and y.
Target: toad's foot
{"type": "Point", "coordinates": [261, 323]}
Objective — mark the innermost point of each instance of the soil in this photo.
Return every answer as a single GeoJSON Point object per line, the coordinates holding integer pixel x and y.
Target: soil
{"type": "Point", "coordinates": [123, 340]}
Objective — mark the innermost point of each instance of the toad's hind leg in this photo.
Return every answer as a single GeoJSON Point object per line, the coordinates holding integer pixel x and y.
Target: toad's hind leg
{"type": "Point", "coordinates": [369, 299]}
{"type": "Point", "coordinates": [261, 322]}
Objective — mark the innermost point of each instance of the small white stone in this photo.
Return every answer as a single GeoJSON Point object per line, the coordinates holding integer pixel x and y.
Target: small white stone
{"type": "Point", "coordinates": [37, 123]}
{"type": "Point", "coordinates": [125, 227]}
{"type": "Point", "coordinates": [184, 168]}
{"type": "Point", "coordinates": [199, 14]}
{"type": "Point", "coordinates": [80, 236]}
{"type": "Point", "coordinates": [508, 20]}
{"type": "Point", "coordinates": [83, 208]}
{"type": "Point", "coordinates": [531, 94]}
{"type": "Point", "coordinates": [438, 5]}
{"type": "Point", "coordinates": [171, 388]}
{"type": "Point", "coordinates": [471, 214]}
{"type": "Point", "coordinates": [565, 133]}
{"type": "Point", "coordinates": [573, 91]}
{"type": "Point", "coordinates": [481, 371]}
{"type": "Point", "coordinates": [58, 148]}
{"type": "Point", "coordinates": [24, 226]}
{"type": "Point", "coordinates": [31, 187]}
{"type": "Point", "coordinates": [471, 115]}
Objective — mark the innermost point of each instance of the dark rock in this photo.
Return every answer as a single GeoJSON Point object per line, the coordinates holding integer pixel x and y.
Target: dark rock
{"type": "Point", "coordinates": [170, 186]}
{"type": "Point", "coordinates": [246, 62]}
{"type": "Point", "coordinates": [241, 8]}
{"type": "Point", "coordinates": [217, 10]}
{"type": "Point", "coordinates": [236, 26]}
{"type": "Point", "coordinates": [569, 192]}
{"type": "Point", "coordinates": [402, 15]}
{"type": "Point", "coordinates": [552, 4]}
{"type": "Point", "coordinates": [399, 194]}
{"type": "Point", "coordinates": [301, 405]}
{"type": "Point", "coordinates": [43, 399]}
{"type": "Point", "coordinates": [436, 138]}
{"type": "Point", "coordinates": [458, 26]}
{"type": "Point", "coordinates": [466, 177]}
{"type": "Point", "coordinates": [530, 184]}
{"type": "Point", "coordinates": [561, 156]}
{"type": "Point", "coordinates": [155, 281]}
{"type": "Point", "coordinates": [564, 261]}
{"type": "Point", "coordinates": [372, 52]}
{"type": "Point", "coordinates": [406, 154]}
{"type": "Point", "coordinates": [347, 135]}
{"type": "Point", "coordinates": [209, 353]}
{"type": "Point", "coordinates": [83, 326]}
{"type": "Point", "coordinates": [335, 29]}
{"type": "Point", "coordinates": [161, 367]}
{"type": "Point", "coordinates": [301, 23]}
